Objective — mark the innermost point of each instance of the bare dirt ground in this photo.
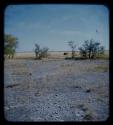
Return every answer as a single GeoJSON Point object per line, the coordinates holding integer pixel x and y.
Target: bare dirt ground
{"type": "Point", "coordinates": [56, 90]}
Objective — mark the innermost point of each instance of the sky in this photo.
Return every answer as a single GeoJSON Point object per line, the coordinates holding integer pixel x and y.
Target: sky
{"type": "Point", "coordinates": [54, 25]}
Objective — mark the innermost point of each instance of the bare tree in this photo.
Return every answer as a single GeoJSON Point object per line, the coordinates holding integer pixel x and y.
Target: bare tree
{"type": "Point", "coordinates": [90, 49]}
{"type": "Point", "coordinates": [72, 46]}
{"type": "Point", "coordinates": [37, 50]}
{"type": "Point", "coordinates": [41, 53]}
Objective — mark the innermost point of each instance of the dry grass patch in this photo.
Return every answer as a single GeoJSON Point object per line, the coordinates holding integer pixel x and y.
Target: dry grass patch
{"type": "Point", "coordinates": [88, 110]}
{"type": "Point", "coordinates": [98, 68]}
{"type": "Point", "coordinates": [11, 86]}
{"type": "Point", "coordinates": [102, 68]}
{"type": "Point", "coordinates": [66, 65]}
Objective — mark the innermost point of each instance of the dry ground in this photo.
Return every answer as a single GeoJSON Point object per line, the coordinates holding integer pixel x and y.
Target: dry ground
{"type": "Point", "coordinates": [56, 90]}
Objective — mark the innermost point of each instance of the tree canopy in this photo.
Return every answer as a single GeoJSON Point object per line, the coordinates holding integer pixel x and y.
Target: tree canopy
{"type": "Point", "coordinates": [90, 49]}
{"type": "Point", "coordinates": [10, 45]}
{"type": "Point", "coordinates": [41, 53]}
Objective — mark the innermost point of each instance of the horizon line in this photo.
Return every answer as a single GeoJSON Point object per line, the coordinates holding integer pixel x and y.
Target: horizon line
{"type": "Point", "coordinates": [52, 51]}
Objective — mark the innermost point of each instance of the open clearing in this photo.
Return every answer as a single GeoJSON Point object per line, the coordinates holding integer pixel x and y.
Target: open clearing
{"type": "Point", "coordinates": [56, 90]}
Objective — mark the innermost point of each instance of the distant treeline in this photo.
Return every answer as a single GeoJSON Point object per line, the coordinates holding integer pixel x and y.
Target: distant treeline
{"type": "Point", "coordinates": [90, 49]}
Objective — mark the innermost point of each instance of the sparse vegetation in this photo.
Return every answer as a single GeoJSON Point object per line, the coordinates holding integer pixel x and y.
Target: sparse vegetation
{"type": "Point", "coordinates": [72, 46]}
{"type": "Point", "coordinates": [10, 45]}
{"type": "Point", "coordinates": [102, 68]}
{"type": "Point", "coordinates": [56, 78]}
{"type": "Point", "coordinates": [91, 49]}
{"type": "Point", "coordinates": [88, 116]}
{"type": "Point", "coordinates": [11, 86]}
{"type": "Point", "coordinates": [53, 84]}
{"type": "Point", "coordinates": [54, 81]}
{"type": "Point", "coordinates": [41, 53]}
{"type": "Point", "coordinates": [104, 56]}
{"type": "Point", "coordinates": [99, 68]}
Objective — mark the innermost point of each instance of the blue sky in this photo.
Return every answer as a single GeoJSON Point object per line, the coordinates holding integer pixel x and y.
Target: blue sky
{"type": "Point", "coordinates": [53, 25]}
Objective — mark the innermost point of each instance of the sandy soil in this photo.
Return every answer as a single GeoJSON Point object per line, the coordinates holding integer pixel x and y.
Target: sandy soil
{"type": "Point", "coordinates": [56, 90]}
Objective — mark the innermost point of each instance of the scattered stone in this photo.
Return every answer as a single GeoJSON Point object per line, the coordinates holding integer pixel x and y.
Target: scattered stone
{"type": "Point", "coordinates": [52, 105]}
{"type": "Point", "coordinates": [30, 74]}
{"type": "Point", "coordinates": [59, 107]}
{"type": "Point", "coordinates": [88, 90]}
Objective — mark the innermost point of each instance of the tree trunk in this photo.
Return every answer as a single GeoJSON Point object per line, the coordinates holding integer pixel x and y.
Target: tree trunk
{"type": "Point", "coordinates": [73, 54]}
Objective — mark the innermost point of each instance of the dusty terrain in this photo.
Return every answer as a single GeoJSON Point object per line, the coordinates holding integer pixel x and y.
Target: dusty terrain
{"type": "Point", "coordinates": [56, 90]}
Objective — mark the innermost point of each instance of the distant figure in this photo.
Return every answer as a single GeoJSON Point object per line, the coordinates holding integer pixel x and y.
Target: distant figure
{"type": "Point", "coordinates": [65, 53]}
{"type": "Point", "coordinates": [30, 73]}
{"type": "Point", "coordinates": [96, 31]}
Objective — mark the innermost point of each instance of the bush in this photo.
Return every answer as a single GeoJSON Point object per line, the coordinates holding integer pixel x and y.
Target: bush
{"type": "Point", "coordinates": [10, 45]}
{"type": "Point", "coordinates": [91, 49]}
{"type": "Point", "coordinates": [41, 53]}
{"type": "Point", "coordinates": [72, 46]}
{"type": "Point", "coordinates": [44, 53]}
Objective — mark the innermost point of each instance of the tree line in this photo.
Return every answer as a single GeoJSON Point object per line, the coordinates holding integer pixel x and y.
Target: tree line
{"type": "Point", "coordinates": [89, 49]}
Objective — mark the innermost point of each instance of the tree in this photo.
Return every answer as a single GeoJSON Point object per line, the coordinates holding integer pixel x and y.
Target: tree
{"type": "Point", "coordinates": [83, 52]}
{"type": "Point", "coordinates": [37, 50]}
{"type": "Point", "coordinates": [90, 49]}
{"type": "Point", "coordinates": [40, 53]}
{"type": "Point", "coordinates": [72, 46]}
{"type": "Point", "coordinates": [44, 52]}
{"type": "Point", "coordinates": [101, 50]}
{"type": "Point", "coordinates": [10, 45]}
